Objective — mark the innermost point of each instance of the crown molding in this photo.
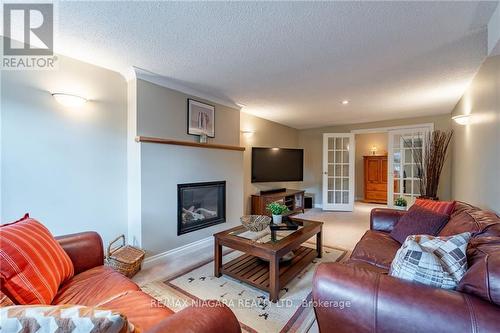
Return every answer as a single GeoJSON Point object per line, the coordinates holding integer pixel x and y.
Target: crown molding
{"type": "Point", "coordinates": [145, 75]}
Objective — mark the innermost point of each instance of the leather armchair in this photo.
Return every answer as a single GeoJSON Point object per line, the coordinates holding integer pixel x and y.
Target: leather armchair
{"type": "Point", "coordinates": [381, 303]}
{"type": "Point", "coordinates": [210, 317]}
{"type": "Point", "coordinates": [87, 254]}
{"type": "Point", "coordinates": [84, 249]}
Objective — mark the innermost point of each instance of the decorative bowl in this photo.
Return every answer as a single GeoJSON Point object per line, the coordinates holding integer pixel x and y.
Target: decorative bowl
{"type": "Point", "coordinates": [255, 223]}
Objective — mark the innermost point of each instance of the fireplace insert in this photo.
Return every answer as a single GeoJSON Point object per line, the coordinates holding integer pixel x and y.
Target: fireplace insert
{"type": "Point", "coordinates": [200, 205]}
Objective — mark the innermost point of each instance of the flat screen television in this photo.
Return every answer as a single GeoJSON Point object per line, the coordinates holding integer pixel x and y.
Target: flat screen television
{"type": "Point", "coordinates": [277, 165]}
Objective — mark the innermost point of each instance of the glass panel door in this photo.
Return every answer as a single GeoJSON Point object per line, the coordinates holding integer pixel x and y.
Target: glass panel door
{"type": "Point", "coordinates": [338, 171]}
{"type": "Point", "coordinates": [405, 173]}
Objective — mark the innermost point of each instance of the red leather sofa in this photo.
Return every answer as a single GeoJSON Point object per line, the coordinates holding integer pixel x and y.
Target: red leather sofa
{"type": "Point", "coordinates": [373, 301]}
{"type": "Point", "coordinates": [97, 285]}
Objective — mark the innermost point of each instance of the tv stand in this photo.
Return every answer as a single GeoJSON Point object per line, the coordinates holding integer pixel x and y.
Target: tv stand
{"type": "Point", "coordinates": [293, 199]}
{"type": "Point", "coordinates": [274, 190]}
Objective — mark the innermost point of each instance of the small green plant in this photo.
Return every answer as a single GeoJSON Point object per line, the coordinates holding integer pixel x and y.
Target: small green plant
{"type": "Point", "coordinates": [277, 208]}
{"type": "Point", "coordinates": [400, 202]}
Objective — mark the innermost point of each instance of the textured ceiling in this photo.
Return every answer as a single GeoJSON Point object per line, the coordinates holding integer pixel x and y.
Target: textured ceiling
{"type": "Point", "coordinates": [292, 62]}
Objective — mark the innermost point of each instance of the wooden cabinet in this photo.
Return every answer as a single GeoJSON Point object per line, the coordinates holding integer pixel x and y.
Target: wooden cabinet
{"type": "Point", "coordinates": [293, 199]}
{"type": "Point", "coordinates": [375, 170]}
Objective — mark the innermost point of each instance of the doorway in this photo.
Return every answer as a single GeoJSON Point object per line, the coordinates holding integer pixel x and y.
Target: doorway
{"type": "Point", "coordinates": [344, 170]}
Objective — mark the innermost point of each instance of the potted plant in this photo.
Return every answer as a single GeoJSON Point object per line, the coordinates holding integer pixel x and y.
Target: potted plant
{"type": "Point", "coordinates": [400, 203]}
{"type": "Point", "coordinates": [277, 209]}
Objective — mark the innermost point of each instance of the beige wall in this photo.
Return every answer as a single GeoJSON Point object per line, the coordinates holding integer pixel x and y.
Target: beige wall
{"type": "Point", "coordinates": [476, 150]}
{"type": "Point", "coordinates": [266, 134]}
{"type": "Point", "coordinates": [364, 143]}
{"type": "Point", "coordinates": [312, 142]}
{"type": "Point", "coordinates": [162, 112]}
{"type": "Point", "coordinates": [65, 166]}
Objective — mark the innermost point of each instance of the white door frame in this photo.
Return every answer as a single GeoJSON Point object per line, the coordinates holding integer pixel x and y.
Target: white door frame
{"type": "Point", "coordinates": [390, 148]}
{"type": "Point", "coordinates": [389, 157]}
{"type": "Point", "coordinates": [352, 152]}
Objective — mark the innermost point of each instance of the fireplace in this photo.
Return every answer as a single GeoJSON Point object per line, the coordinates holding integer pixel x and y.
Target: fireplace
{"type": "Point", "coordinates": [200, 205]}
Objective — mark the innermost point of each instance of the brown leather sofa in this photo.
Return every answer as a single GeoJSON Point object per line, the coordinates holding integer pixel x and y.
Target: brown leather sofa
{"type": "Point", "coordinates": [359, 295]}
{"type": "Point", "coordinates": [98, 285]}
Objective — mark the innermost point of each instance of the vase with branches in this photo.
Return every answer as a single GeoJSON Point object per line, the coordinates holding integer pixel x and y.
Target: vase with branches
{"type": "Point", "coordinates": [430, 160]}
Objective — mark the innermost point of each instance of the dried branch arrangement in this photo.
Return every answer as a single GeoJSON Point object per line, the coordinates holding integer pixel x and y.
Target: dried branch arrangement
{"type": "Point", "coordinates": [431, 160]}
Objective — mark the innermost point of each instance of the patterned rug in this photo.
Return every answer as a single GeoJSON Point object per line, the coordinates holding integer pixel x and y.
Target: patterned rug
{"type": "Point", "coordinates": [291, 313]}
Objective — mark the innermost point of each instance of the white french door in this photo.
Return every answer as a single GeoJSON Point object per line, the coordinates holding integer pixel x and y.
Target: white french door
{"type": "Point", "coordinates": [338, 171]}
{"type": "Point", "coordinates": [405, 150]}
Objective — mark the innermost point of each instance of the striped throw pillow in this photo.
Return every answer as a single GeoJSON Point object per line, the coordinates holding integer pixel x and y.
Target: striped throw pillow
{"type": "Point", "coordinates": [34, 265]}
{"type": "Point", "coordinates": [443, 207]}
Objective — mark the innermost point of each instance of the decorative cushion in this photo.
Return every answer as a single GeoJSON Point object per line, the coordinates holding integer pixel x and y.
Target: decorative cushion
{"type": "Point", "coordinates": [435, 261]}
{"type": "Point", "coordinates": [418, 221]}
{"type": "Point", "coordinates": [33, 263]}
{"type": "Point", "coordinates": [443, 207]}
{"type": "Point", "coordinates": [62, 319]}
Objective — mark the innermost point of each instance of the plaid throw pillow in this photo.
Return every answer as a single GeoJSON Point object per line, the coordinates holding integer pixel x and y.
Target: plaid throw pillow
{"type": "Point", "coordinates": [435, 261]}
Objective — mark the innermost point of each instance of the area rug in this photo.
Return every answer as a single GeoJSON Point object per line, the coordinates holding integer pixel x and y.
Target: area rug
{"type": "Point", "coordinates": [292, 313]}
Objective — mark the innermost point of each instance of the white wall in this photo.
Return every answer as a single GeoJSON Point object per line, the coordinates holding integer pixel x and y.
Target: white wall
{"type": "Point", "coordinates": [476, 150]}
{"type": "Point", "coordinates": [66, 167]}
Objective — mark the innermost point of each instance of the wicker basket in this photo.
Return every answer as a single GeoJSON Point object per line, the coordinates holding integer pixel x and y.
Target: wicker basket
{"type": "Point", "coordinates": [125, 259]}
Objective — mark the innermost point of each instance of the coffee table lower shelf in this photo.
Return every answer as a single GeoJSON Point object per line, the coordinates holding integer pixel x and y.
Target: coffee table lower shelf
{"type": "Point", "coordinates": [255, 271]}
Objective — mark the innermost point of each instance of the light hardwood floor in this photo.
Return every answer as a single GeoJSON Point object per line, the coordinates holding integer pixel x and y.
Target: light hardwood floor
{"type": "Point", "coordinates": [340, 229]}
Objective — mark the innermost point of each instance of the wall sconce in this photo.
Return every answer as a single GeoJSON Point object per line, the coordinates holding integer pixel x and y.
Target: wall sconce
{"type": "Point", "coordinates": [69, 100]}
{"type": "Point", "coordinates": [462, 119]}
{"type": "Point", "coordinates": [248, 133]}
{"type": "Point", "coordinates": [373, 150]}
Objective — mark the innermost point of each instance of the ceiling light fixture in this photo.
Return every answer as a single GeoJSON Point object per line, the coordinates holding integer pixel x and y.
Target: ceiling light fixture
{"type": "Point", "coordinates": [69, 99]}
{"type": "Point", "coordinates": [345, 102]}
{"type": "Point", "coordinates": [462, 119]}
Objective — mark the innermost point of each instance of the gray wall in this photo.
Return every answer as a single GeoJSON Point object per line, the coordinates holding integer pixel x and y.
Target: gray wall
{"type": "Point", "coordinates": [266, 134]}
{"type": "Point", "coordinates": [162, 112]}
{"type": "Point", "coordinates": [66, 167]}
{"type": "Point", "coordinates": [476, 153]}
{"type": "Point", "coordinates": [312, 141]}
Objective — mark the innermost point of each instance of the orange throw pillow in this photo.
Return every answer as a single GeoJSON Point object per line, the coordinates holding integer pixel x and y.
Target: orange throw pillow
{"type": "Point", "coordinates": [443, 207]}
{"type": "Point", "coordinates": [34, 265]}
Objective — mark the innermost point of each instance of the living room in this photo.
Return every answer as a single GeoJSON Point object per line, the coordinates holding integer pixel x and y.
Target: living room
{"type": "Point", "coordinates": [234, 146]}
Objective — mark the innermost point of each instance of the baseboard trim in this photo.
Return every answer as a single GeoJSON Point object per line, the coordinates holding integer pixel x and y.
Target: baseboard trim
{"type": "Point", "coordinates": [150, 261]}
{"type": "Point", "coordinates": [318, 206]}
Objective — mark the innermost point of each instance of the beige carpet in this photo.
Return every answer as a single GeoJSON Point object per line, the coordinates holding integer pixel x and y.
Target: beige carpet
{"type": "Point", "coordinates": [250, 305]}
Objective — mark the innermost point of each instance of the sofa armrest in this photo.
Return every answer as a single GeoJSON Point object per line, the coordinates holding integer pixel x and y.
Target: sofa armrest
{"type": "Point", "coordinates": [210, 316]}
{"type": "Point", "coordinates": [84, 249]}
{"type": "Point", "coordinates": [384, 219]}
{"type": "Point", "coordinates": [381, 303]}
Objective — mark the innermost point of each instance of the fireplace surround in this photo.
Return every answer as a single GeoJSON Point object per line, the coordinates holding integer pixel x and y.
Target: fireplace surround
{"type": "Point", "coordinates": [200, 205]}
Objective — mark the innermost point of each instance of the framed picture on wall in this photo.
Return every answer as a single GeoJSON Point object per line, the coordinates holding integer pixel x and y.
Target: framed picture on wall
{"type": "Point", "coordinates": [201, 118]}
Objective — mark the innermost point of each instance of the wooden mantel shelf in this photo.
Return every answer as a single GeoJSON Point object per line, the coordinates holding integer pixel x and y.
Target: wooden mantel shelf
{"type": "Point", "coordinates": [187, 143]}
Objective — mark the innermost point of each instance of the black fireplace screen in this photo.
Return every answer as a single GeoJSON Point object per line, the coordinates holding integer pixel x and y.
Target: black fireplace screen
{"type": "Point", "coordinates": [200, 205]}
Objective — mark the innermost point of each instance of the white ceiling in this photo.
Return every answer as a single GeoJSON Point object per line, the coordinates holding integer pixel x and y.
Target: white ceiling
{"type": "Point", "coordinates": [292, 62]}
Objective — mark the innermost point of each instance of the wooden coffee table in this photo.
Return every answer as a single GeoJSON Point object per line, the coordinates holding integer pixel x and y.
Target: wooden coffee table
{"type": "Point", "coordinates": [260, 264]}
